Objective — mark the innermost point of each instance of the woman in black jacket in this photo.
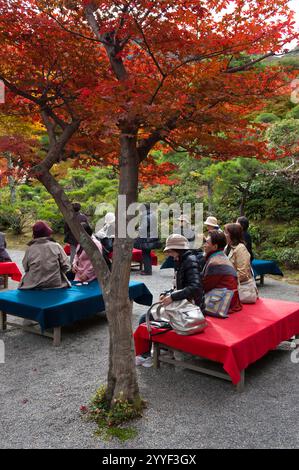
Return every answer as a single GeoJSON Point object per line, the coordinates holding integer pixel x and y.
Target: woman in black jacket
{"type": "Point", "coordinates": [188, 283]}
{"type": "Point", "coordinates": [187, 273]}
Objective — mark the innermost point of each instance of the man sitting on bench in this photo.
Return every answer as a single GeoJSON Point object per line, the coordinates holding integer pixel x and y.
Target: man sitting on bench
{"type": "Point", "coordinates": [45, 262]}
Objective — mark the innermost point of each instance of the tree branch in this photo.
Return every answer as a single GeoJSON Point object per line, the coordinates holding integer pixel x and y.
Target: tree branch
{"type": "Point", "coordinates": [149, 49]}
{"type": "Point", "coordinates": [20, 92]}
{"type": "Point", "coordinates": [111, 48]}
{"type": "Point", "coordinates": [249, 64]}
{"type": "Point", "coordinates": [75, 33]}
{"type": "Point", "coordinates": [69, 215]}
{"type": "Point", "coordinates": [50, 127]}
{"type": "Point", "coordinates": [145, 145]}
{"type": "Point", "coordinates": [56, 149]}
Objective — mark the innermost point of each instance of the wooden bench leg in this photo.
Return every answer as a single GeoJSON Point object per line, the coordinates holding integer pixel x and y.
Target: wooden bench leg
{"type": "Point", "coordinates": [5, 277]}
{"type": "Point", "coordinates": [57, 336]}
{"type": "Point", "coordinates": [262, 279]}
{"type": "Point", "coordinates": [3, 321]}
{"type": "Point", "coordinates": [241, 385]}
{"type": "Point", "coordinates": [156, 361]}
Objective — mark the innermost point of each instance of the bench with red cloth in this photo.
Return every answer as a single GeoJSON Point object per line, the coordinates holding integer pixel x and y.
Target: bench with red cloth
{"type": "Point", "coordinates": [9, 269]}
{"type": "Point", "coordinates": [235, 342]}
{"type": "Point", "coordinates": [67, 249]}
{"type": "Point", "coordinates": [136, 256]}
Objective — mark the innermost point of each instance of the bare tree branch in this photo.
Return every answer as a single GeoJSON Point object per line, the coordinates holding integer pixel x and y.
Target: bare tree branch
{"type": "Point", "coordinates": [249, 64]}
{"type": "Point", "coordinates": [111, 48]}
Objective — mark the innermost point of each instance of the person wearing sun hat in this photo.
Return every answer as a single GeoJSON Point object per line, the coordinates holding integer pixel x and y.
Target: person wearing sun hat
{"type": "Point", "coordinates": [188, 283]}
{"type": "Point", "coordinates": [212, 223]}
{"type": "Point", "coordinates": [45, 262]}
{"type": "Point", "coordinates": [106, 236]}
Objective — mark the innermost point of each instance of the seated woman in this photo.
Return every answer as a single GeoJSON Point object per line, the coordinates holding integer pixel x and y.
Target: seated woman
{"type": "Point", "coordinates": [187, 275]}
{"type": "Point", "coordinates": [4, 256]}
{"type": "Point", "coordinates": [219, 271]}
{"type": "Point", "coordinates": [237, 252]}
{"type": "Point", "coordinates": [45, 262]}
{"type": "Point", "coordinates": [187, 281]}
{"type": "Point", "coordinates": [82, 266]}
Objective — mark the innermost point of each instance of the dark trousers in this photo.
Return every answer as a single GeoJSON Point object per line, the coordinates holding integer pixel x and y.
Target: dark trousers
{"type": "Point", "coordinates": [147, 261]}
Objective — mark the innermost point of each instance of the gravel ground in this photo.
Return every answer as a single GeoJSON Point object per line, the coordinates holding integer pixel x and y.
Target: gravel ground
{"type": "Point", "coordinates": [42, 388]}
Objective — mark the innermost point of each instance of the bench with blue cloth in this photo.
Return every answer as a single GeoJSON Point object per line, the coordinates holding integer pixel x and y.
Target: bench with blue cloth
{"type": "Point", "coordinates": [55, 308]}
{"type": "Point", "coordinates": [261, 267]}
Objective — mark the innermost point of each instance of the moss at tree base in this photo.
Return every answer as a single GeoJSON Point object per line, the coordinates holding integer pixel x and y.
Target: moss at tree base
{"type": "Point", "coordinates": [111, 419]}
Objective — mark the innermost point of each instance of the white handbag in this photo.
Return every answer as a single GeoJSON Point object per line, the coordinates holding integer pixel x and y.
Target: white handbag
{"type": "Point", "coordinates": [183, 317]}
{"type": "Point", "coordinates": [248, 292]}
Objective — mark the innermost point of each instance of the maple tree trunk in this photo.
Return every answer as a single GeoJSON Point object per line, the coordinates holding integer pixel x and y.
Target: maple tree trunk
{"type": "Point", "coordinates": [122, 379]}
{"type": "Point", "coordinates": [242, 206]}
{"type": "Point", "coordinates": [244, 198]}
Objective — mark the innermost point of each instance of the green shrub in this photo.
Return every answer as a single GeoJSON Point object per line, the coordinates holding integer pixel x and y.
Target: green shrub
{"type": "Point", "coordinates": [51, 214]}
{"type": "Point", "coordinates": [17, 223]}
{"type": "Point", "coordinates": [4, 220]}
{"type": "Point", "coordinates": [293, 113]}
{"type": "Point", "coordinates": [290, 236]}
{"type": "Point", "coordinates": [256, 233]}
{"type": "Point", "coordinates": [14, 219]}
{"type": "Point", "coordinates": [289, 257]}
{"type": "Point", "coordinates": [267, 117]}
{"type": "Point", "coordinates": [270, 254]}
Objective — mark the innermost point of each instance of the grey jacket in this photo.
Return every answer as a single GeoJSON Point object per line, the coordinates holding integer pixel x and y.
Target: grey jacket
{"type": "Point", "coordinates": [45, 264]}
{"type": "Point", "coordinates": [148, 227]}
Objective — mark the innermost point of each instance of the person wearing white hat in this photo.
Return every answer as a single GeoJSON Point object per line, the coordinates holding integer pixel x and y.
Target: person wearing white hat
{"type": "Point", "coordinates": [211, 223]}
{"type": "Point", "coordinates": [108, 230]}
{"type": "Point", "coordinates": [106, 236]}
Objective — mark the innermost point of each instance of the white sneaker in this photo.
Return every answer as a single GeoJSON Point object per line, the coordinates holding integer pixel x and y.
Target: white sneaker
{"type": "Point", "coordinates": [148, 362]}
{"type": "Point", "coordinates": [139, 360]}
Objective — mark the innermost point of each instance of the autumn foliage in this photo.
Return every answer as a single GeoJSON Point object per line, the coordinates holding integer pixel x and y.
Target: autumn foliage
{"type": "Point", "coordinates": [178, 77]}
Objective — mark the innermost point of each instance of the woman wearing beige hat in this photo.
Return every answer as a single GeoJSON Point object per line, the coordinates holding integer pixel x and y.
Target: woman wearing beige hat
{"type": "Point", "coordinates": [188, 283]}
